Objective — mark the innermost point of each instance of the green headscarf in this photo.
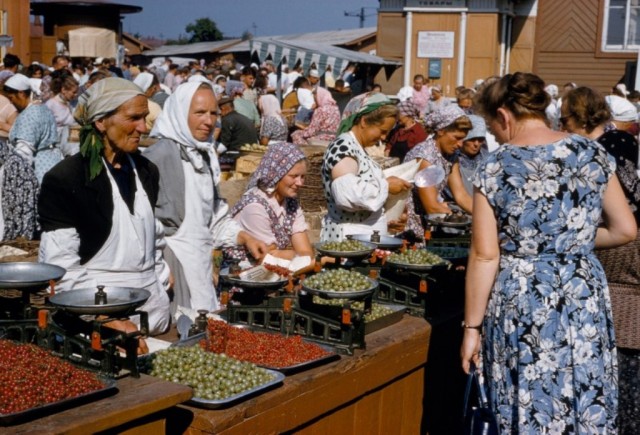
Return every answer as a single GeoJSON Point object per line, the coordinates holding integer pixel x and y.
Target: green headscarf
{"type": "Point", "coordinates": [101, 99]}
{"type": "Point", "coordinates": [367, 104]}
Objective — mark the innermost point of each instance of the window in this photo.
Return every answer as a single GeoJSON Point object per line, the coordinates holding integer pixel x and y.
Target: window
{"type": "Point", "coordinates": [622, 25]}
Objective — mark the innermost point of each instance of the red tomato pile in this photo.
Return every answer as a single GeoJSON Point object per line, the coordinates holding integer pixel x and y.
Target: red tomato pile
{"type": "Point", "coordinates": [30, 377]}
{"type": "Point", "coordinates": [269, 350]}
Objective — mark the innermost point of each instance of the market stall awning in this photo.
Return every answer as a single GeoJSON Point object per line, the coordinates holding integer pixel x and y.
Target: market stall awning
{"type": "Point", "coordinates": [308, 52]}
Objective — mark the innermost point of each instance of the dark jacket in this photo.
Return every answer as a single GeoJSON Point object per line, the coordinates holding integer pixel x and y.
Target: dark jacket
{"type": "Point", "coordinates": [237, 130]}
{"type": "Point", "coordinates": [69, 200]}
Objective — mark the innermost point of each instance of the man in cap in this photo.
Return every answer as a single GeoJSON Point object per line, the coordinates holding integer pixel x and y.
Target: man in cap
{"type": "Point", "coordinates": [96, 207]}
{"type": "Point", "coordinates": [314, 78]}
{"type": "Point", "coordinates": [34, 134]}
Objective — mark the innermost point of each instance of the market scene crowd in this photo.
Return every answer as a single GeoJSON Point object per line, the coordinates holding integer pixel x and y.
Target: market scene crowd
{"type": "Point", "coordinates": [116, 170]}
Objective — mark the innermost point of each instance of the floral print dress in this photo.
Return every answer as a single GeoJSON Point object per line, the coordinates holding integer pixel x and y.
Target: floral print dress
{"type": "Point", "coordinates": [549, 351]}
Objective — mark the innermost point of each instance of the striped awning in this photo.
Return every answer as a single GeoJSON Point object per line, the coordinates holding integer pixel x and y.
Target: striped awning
{"type": "Point", "coordinates": [309, 52]}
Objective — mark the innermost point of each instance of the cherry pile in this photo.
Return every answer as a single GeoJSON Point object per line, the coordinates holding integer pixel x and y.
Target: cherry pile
{"type": "Point", "coordinates": [31, 377]}
{"type": "Point", "coordinates": [269, 350]}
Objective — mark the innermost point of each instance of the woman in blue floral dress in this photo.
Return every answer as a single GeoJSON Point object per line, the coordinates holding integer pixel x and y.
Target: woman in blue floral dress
{"type": "Point", "coordinates": [537, 309]}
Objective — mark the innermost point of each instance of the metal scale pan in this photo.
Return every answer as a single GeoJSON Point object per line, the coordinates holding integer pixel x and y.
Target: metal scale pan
{"type": "Point", "coordinates": [264, 285]}
{"type": "Point", "coordinates": [386, 242]}
{"type": "Point", "coordinates": [83, 301]}
{"type": "Point", "coordinates": [353, 294]}
{"type": "Point", "coordinates": [370, 247]}
{"type": "Point", "coordinates": [24, 275]}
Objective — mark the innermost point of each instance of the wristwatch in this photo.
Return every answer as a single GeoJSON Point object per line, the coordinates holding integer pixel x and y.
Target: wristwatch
{"type": "Point", "coordinates": [476, 327]}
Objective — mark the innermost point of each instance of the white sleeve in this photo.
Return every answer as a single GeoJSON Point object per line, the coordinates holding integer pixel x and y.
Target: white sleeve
{"type": "Point", "coordinates": [61, 247]}
{"type": "Point", "coordinates": [25, 150]}
{"type": "Point", "coordinates": [224, 229]}
{"type": "Point", "coordinates": [161, 266]}
{"type": "Point", "coordinates": [351, 193]}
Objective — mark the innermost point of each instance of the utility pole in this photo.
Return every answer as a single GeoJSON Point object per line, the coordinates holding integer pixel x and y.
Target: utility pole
{"type": "Point", "coordinates": [360, 15]}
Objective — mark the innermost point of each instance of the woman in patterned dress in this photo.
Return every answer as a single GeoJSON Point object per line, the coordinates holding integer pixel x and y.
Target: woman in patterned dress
{"type": "Point", "coordinates": [269, 210]}
{"type": "Point", "coordinates": [273, 127]}
{"type": "Point", "coordinates": [324, 121]}
{"type": "Point", "coordinates": [585, 112]}
{"type": "Point", "coordinates": [354, 185]}
{"type": "Point", "coordinates": [534, 284]}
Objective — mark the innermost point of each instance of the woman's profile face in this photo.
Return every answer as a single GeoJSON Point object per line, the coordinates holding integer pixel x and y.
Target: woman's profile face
{"type": "Point", "coordinates": [289, 185]}
{"type": "Point", "coordinates": [449, 141]}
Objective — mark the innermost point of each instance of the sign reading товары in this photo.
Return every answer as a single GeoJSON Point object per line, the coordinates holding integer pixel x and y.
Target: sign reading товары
{"type": "Point", "coordinates": [435, 44]}
{"type": "Point", "coordinates": [436, 3]}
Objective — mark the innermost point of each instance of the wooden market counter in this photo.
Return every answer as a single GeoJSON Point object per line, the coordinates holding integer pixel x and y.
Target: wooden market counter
{"type": "Point", "coordinates": [139, 407]}
{"type": "Point", "coordinates": [378, 390]}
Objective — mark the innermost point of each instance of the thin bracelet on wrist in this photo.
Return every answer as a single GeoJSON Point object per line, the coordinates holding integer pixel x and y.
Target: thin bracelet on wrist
{"type": "Point", "coordinates": [478, 327]}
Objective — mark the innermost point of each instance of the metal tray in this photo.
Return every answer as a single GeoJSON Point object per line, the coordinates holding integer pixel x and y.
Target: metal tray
{"type": "Point", "coordinates": [443, 223]}
{"type": "Point", "coordinates": [288, 370]}
{"type": "Point", "coordinates": [388, 320]}
{"type": "Point", "coordinates": [50, 408]}
{"type": "Point", "coordinates": [346, 254]}
{"type": "Point", "coordinates": [328, 294]}
{"type": "Point", "coordinates": [265, 285]}
{"type": "Point", "coordinates": [82, 301]}
{"type": "Point", "coordinates": [24, 275]}
{"type": "Point", "coordinates": [214, 404]}
{"type": "Point", "coordinates": [418, 267]}
{"type": "Point", "coordinates": [386, 242]}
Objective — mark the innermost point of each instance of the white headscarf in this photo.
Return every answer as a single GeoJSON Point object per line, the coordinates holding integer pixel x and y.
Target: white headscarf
{"type": "Point", "coordinates": [270, 107]}
{"type": "Point", "coordinates": [405, 93]}
{"type": "Point", "coordinates": [144, 80]}
{"type": "Point", "coordinates": [173, 123]}
{"type": "Point", "coordinates": [104, 97]}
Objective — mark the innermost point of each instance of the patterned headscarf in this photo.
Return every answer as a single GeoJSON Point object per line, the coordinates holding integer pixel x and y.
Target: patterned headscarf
{"type": "Point", "coordinates": [362, 106]}
{"type": "Point", "coordinates": [276, 163]}
{"type": "Point", "coordinates": [443, 117]}
{"type": "Point", "coordinates": [100, 100]}
{"type": "Point", "coordinates": [324, 97]}
{"type": "Point", "coordinates": [408, 108]}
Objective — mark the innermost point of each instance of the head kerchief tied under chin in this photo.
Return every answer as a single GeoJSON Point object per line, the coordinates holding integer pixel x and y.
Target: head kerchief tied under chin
{"type": "Point", "coordinates": [173, 123]}
{"type": "Point", "coordinates": [443, 117]}
{"type": "Point", "coordinates": [276, 163]}
{"type": "Point", "coordinates": [367, 105]}
{"type": "Point", "coordinates": [100, 100]}
{"type": "Point", "coordinates": [408, 108]}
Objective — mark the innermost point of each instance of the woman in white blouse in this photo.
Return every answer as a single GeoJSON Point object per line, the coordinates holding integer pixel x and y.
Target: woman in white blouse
{"type": "Point", "coordinates": [354, 185]}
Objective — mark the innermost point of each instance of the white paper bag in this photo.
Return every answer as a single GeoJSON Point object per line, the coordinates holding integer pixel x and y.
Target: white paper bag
{"type": "Point", "coordinates": [395, 203]}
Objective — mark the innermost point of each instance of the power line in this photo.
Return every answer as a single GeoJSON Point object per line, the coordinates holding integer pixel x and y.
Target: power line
{"type": "Point", "coordinates": [360, 14]}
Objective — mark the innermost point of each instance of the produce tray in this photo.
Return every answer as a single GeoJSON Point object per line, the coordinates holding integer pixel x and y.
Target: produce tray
{"type": "Point", "coordinates": [418, 267]}
{"type": "Point", "coordinates": [278, 377]}
{"type": "Point", "coordinates": [346, 254]}
{"type": "Point", "coordinates": [25, 275]}
{"type": "Point", "coordinates": [356, 294]}
{"type": "Point", "coordinates": [288, 370]}
{"type": "Point", "coordinates": [51, 408]}
{"type": "Point", "coordinates": [388, 320]}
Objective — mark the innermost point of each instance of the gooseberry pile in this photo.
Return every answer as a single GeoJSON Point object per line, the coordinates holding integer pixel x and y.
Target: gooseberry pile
{"type": "Point", "coordinates": [212, 376]}
{"type": "Point", "coordinates": [377, 310]}
{"type": "Point", "coordinates": [338, 280]}
{"type": "Point", "coordinates": [344, 246]}
{"type": "Point", "coordinates": [31, 377]}
{"type": "Point", "coordinates": [270, 350]}
{"type": "Point", "coordinates": [420, 257]}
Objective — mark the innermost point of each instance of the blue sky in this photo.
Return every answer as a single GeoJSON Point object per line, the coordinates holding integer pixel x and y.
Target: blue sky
{"type": "Point", "coordinates": [168, 18]}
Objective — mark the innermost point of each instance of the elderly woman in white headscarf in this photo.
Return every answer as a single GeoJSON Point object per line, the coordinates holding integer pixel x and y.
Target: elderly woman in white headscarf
{"type": "Point", "coordinates": [194, 216]}
{"type": "Point", "coordinates": [96, 207]}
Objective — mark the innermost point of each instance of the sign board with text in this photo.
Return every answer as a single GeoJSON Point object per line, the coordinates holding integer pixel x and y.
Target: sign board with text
{"type": "Point", "coordinates": [436, 44]}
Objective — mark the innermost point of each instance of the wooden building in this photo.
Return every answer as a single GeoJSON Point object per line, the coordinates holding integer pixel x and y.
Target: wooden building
{"type": "Point", "coordinates": [14, 29]}
{"type": "Point", "coordinates": [589, 42]}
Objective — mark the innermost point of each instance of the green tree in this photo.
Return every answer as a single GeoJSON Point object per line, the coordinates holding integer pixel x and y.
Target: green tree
{"type": "Point", "coordinates": [204, 29]}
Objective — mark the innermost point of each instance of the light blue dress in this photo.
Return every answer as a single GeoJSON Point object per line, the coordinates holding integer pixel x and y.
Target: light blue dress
{"type": "Point", "coordinates": [549, 351]}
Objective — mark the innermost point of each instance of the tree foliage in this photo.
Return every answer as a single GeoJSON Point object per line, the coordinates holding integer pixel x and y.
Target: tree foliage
{"type": "Point", "coordinates": [203, 29]}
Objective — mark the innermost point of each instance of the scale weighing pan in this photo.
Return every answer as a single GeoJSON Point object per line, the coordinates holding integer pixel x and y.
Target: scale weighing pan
{"type": "Point", "coordinates": [354, 294]}
{"type": "Point", "coordinates": [265, 285]}
{"type": "Point", "coordinates": [418, 267]}
{"type": "Point", "coordinates": [440, 222]}
{"type": "Point", "coordinates": [25, 275]}
{"type": "Point", "coordinates": [370, 247]}
{"type": "Point", "coordinates": [118, 300]}
{"type": "Point", "coordinates": [386, 242]}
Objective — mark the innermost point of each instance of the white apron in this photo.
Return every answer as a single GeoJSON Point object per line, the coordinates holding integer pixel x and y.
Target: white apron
{"type": "Point", "coordinates": [127, 258]}
{"type": "Point", "coordinates": [192, 244]}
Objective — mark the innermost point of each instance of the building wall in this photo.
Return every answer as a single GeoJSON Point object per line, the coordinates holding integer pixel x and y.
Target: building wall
{"type": "Point", "coordinates": [482, 54]}
{"type": "Point", "coordinates": [523, 37]}
{"type": "Point", "coordinates": [567, 45]}
{"type": "Point", "coordinates": [17, 26]}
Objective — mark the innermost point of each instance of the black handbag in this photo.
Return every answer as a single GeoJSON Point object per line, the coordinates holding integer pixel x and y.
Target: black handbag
{"type": "Point", "coordinates": [478, 419]}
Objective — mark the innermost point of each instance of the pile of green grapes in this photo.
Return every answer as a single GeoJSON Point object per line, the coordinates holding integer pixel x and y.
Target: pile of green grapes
{"type": "Point", "coordinates": [377, 310]}
{"type": "Point", "coordinates": [344, 246]}
{"type": "Point", "coordinates": [420, 257]}
{"type": "Point", "coordinates": [212, 376]}
{"type": "Point", "coordinates": [338, 280]}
